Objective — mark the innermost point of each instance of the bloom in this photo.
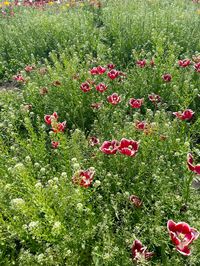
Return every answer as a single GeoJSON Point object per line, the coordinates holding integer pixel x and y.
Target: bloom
{"type": "Point", "coordinates": [29, 68]}
{"type": "Point", "coordinates": [19, 78]}
{"type": "Point", "coordinates": [109, 147]}
{"type": "Point", "coordinates": [114, 99]}
{"type": "Point", "coordinates": [98, 70]}
{"type": "Point", "coordinates": [101, 87]}
{"type": "Point", "coordinates": [154, 98]}
{"type": "Point", "coordinates": [113, 74]}
{"type": "Point", "coordinates": [111, 66]}
{"type": "Point", "coordinates": [55, 144]}
{"type": "Point", "coordinates": [48, 118]}
{"type": "Point", "coordinates": [185, 115]}
{"type": "Point", "coordinates": [139, 252]}
{"type": "Point", "coordinates": [128, 147]}
{"type": "Point", "coordinates": [193, 168]}
{"type": "Point", "coordinates": [140, 125]}
{"type": "Point", "coordinates": [141, 63]}
{"type": "Point", "coordinates": [136, 103]}
{"type": "Point", "coordinates": [167, 77]}
{"type": "Point", "coordinates": [136, 201]}
{"type": "Point", "coordinates": [84, 178]}
{"type": "Point", "coordinates": [182, 235]}
{"type": "Point", "coordinates": [59, 127]}
{"type": "Point", "coordinates": [184, 63]}
{"type": "Point", "coordinates": [197, 67]}
{"type": "Point", "coordinates": [96, 105]}
{"type": "Point", "coordinates": [93, 141]}
{"type": "Point", "coordinates": [85, 87]}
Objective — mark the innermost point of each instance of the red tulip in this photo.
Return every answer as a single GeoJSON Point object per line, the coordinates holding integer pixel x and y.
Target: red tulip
{"type": "Point", "coordinates": [140, 125]}
{"type": "Point", "coordinates": [141, 63]}
{"type": "Point", "coordinates": [197, 67]}
{"type": "Point", "coordinates": [184, 63]}
{"type": "Point", "coordinates": [113, 74]}
{"type": "Point", "coordinates": [185, 115]}
{"type": "Point", "coordinates": [101, 87]}
{"type": "Point", "coordinates": [55, 144]}
{"type": "Point", "coordinates": [136, 201]}
{"type": "Point", "coordinates": [114, 99]}
{"type": "Point", "coordinates": [59, 127]}
{"type": "Point", "coordinates": [139, 252]}
{"type": "Point", "coordinates": [191, 166]}
{"type": "Point", "coordinates": [94, 71]}
{"type": "Point", "coordinates": [167, 77]}
{"type": "Point", "coordinates": [110, 66]}
{"type": "Point", "coordinates": [93, 141]}
{"type": "Point", "coordinates": [83, 178]}
{"type": "Point", "coordinates": [85, 87]}
{"type": "Point", "coordinates": [109, 147]}
{"type": "Point", "coordinates": [136, 103]}
{"type": "Point", "coordinates": [154, 98]}
{"type": "Point", "coordinates": [48, 118]}
{"type": "Point", "coordinates": [101, 70]}
{"type": "Point", "coordinates": [182, 235]}
{"type": "Point", "coordinates": [128, 147]}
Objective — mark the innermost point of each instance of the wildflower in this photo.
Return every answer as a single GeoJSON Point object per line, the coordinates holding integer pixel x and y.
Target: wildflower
{"type": "Point", "coordinates": [154, 98]}
{"type": "Point", "coordinates": [19, 78]}
{"type": "Point", "coordinates": [59, 127]}
{"type": "Point", "coordinates": [96, 105]}
{"type": "Point", "coordinates": [101, 87]}
{"type": "Point", "coordinates": [184, 63]}
{"type": "Point", "coordinates": [114, 99]}
{"type": "Point", "coordinates": [182, 235]}
{"type": "Point", "coordinates": [167, 77]}
{"type": "Point", "coordinates": [110, 66]}
{"type": "Point", "coordinates": [136, 103]}
{"type": "Point", "coordinates": [101, 70]}
{"type": "Point", "coordinates": [109, 147]}
{"type": "Point", "coordinates": [113, 74]}
{"type": "Point", "coordinates": [94, 71]}
{"type": "Point", "coordinates": [185, 115]}
{"type": "Point", "coordinates": [140, 125]}
{"type": "Point", "coordinates": [84, 178]}
{"type": "Point", "coordinates": [141, 63]}
{"type": "Point", "coordinates": [128, 147]}
{"type": "Point", "coordinates": [197, 67]}
{"type": "Point", "coordinates": [54, 144]}
{"type": "Point", "coordinates": [191, 166]}
{"type": "Point", "coordinates": [93, 141]}
{"type": "Point", "coordinates": [43, 91]}
{"type": "Point", "coordinates": [29, 68]}
{"type": "Point", "coordinates": [139, 252]}
{"type": "Point", "coordinates": [85, 87]}
{"type": "Point", "coordinates": [48, 118]}
{"type": "Point", "coordinates": [136, 201]}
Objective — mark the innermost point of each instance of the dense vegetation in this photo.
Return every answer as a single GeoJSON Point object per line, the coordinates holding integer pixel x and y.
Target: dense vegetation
{"type": "Point", "coordinates": [85, 173]}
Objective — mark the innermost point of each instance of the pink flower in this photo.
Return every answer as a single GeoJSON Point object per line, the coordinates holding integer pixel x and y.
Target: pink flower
{"type": "Point", "coordinates": [19, 78]}
{"type": "Point", "coordinates": [110, 66]}
{"type": "Point", "coordinates": [185, 115]}
{"type": "Point", "coordinates": [140, 125]}
{"type": "Point", "coordinates": [85, 87]}
{"type": "Point", "coordinates": [184, 63]}
{"type": "Point", "coordinates": [94, 71]}
{"type": "Point", "coordinates": [96, 105]}
{"type": "Point", "coordinates": [101, 87]}
{"type": "Point", "coordinates": [139, 252]}
{"type": "Point", "coordinates": [141, 63]}
{"type": "Point", "coordinates": [167, 77]}
{"type": "Point", "coordinates": [197, 67]}
{"type": "Point", "coordinates": [114, 99]}
{"type": "Point", "coordinates": [93, 141]}
{"type": "Point", "coordinates": [113, 74]}
{"type": "Point", "coordinates": [59, 127]}
{"type": "Point", "coordinates": [54, 144]}
{"type": "Point", "coordinates": [28, 68]}
{"type": "Point", "coordinates": [84, 178]}
{"type": "Point", "coordinates": [128, 147]}
{"type": "Point", "coordinates": [136, 103]}
{"type": "Point", "coordinates": [101, 70]}
{"type": "Point", "coordinates": [48, 118]}
{"type": "Point", "coordinates": [109, 147]}
{"type": "Point", "coordinates": [182, 235]}
{"type": "Point", "coordinates": [191, 166]}
{"type": "Point", "coordinates": [136, 201]}
{"type": "Point", "coordinates": [154, 98]}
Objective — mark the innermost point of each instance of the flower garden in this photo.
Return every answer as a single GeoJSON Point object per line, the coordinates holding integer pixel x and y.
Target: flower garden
{"type": "Point", "coordinates": [100, 133]}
